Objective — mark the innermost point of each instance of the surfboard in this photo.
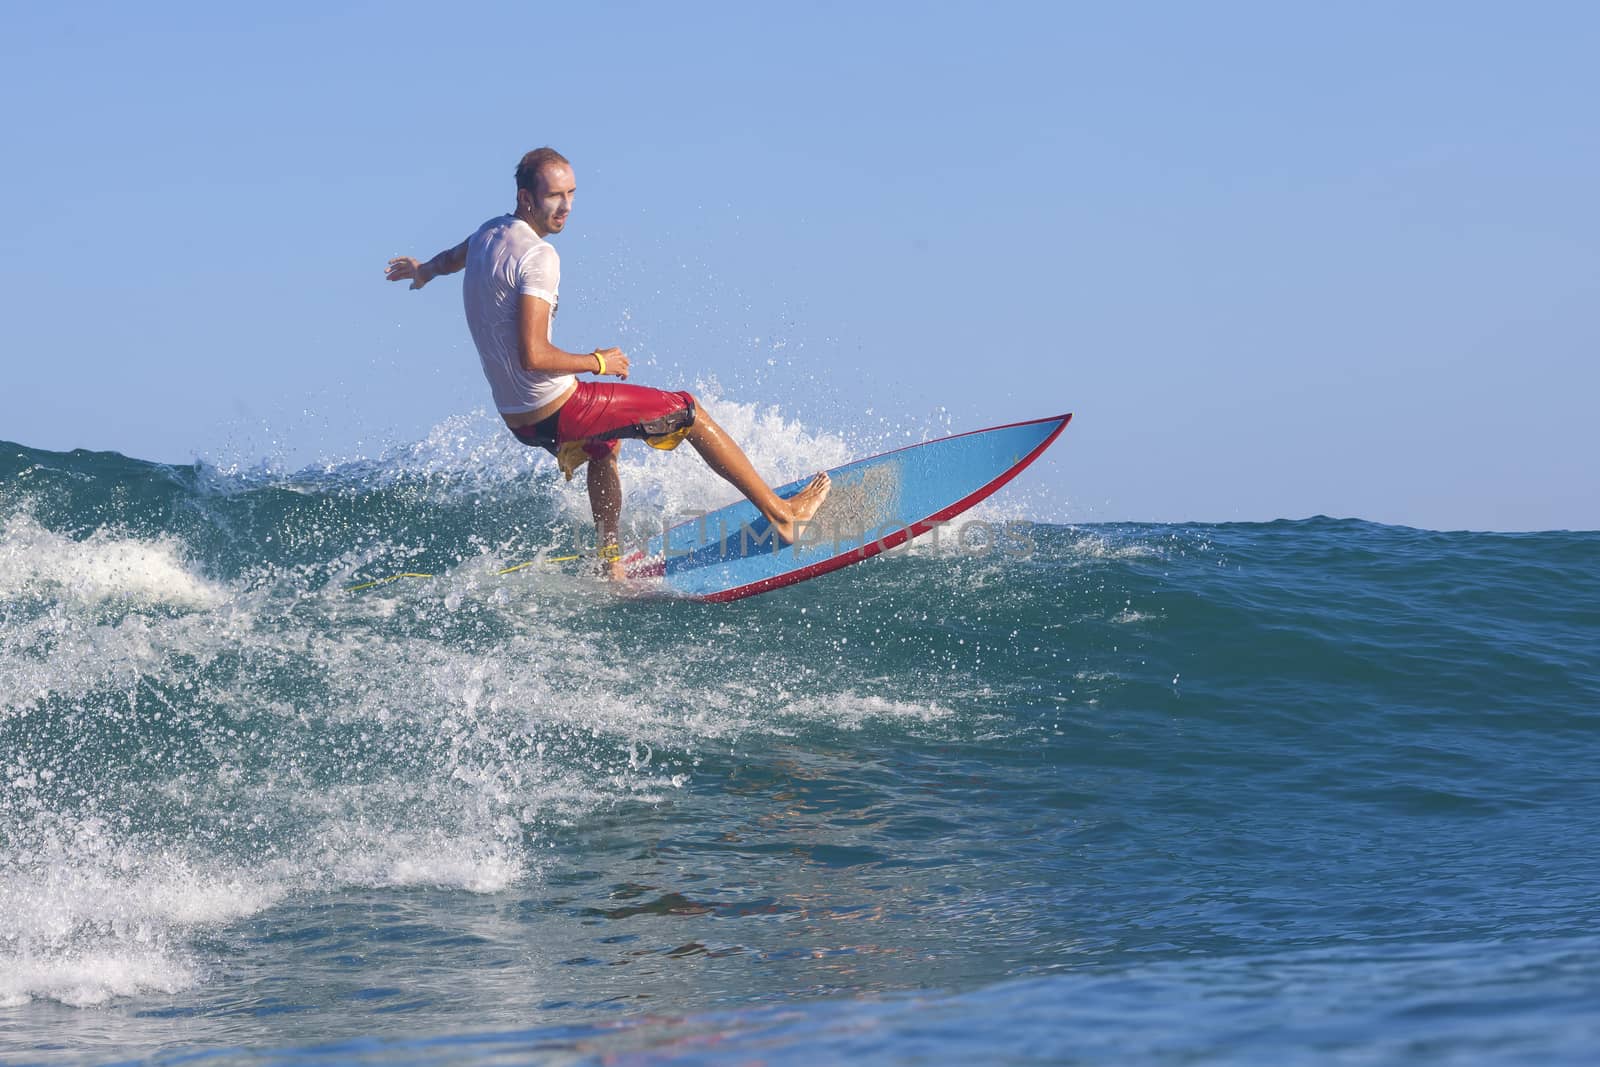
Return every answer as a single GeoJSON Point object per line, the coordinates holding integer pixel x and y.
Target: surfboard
{"type": "Point", "coordinates": [876, 504]}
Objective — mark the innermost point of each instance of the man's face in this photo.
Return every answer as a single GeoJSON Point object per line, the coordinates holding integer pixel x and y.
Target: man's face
{"type": "Point", "coordinates": [551, 201]}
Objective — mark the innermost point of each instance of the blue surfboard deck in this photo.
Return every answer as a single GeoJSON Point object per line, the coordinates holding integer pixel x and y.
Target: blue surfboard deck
{"type": "Point", "coordinates": [875, 504]}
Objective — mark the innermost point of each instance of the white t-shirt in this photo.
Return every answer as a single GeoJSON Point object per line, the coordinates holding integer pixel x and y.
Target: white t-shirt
{"type": "Point", "coordinates": [505, 260]}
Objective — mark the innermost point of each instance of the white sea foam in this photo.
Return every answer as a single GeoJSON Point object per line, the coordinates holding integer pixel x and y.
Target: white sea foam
{"type": "Point", "coordinates": [87, 915]}
{"type": "Point", "coordinates": [101, 567]}
{"type": "Point", "coordinates": [385, 857]}
{"type": "Point", "coordinates": [1091, 546]}
{"type": "Point", "coordinates": [853, 710]}
{"type": "Point", "coordinates": [89, 978]}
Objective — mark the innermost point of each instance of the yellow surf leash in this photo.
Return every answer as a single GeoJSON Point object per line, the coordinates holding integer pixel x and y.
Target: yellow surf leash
{"type": "Point", "coordinates": [385, 581]}
{"type": "Point", "coordinates": [419, 574]}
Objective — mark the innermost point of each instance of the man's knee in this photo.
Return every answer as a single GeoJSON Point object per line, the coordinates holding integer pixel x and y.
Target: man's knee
{"type": "Point", "coordinates": [603, 463]}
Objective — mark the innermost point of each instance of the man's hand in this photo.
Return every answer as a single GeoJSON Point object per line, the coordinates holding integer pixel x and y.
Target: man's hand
{"type": "Point", "coordinates": [402, 267]}
{"type": "Point", "coordinates": [616, 362]}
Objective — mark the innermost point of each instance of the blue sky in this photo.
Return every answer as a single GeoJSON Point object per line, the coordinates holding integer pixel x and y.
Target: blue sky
{"type": "Point", "coordinates": [1280, 259]}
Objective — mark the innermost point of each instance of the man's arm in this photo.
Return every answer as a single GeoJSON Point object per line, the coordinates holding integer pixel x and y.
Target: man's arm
{"type": "Point", "coordinates": [538, 354]}
{"type": "Point", "coordinates": [447, 262]}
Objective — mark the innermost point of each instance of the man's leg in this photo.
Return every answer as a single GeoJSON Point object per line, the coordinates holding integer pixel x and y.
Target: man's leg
{"type": "Point", "coordinates": [605, 501]}
{"type": "Point", "coordinates": [725, 457]}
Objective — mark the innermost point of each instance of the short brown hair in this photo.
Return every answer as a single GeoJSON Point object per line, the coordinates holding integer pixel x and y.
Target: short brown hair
{"type": "Point", "coordinates": [532, 163]}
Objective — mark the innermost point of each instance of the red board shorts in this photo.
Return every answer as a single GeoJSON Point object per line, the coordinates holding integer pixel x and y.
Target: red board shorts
{"type": "Point", "coordinates": [599, 415]}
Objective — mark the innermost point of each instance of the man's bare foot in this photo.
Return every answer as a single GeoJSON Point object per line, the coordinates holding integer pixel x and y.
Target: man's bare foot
{"type": "Point", "coordinates": [801, 507]}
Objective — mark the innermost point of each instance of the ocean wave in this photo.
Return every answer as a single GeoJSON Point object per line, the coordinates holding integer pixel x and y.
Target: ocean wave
{"type": "Point", "coordinates": [236, 789]}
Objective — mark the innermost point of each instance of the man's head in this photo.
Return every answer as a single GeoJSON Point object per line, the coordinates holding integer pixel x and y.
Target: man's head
{"type": "Point", "coordinates": [544, 190]}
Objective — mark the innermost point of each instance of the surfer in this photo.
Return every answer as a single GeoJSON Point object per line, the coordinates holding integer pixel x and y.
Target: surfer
{"type": "Point", "coordinates": [511, 292]}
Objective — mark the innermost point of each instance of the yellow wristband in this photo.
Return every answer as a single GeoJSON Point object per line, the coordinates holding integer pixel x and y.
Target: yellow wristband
{"type": "Point", "coordinates": [601, 373]}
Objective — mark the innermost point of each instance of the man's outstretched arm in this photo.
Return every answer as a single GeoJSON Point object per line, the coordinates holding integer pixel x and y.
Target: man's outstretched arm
{"type": "Point", "coordinates": [447, 262]}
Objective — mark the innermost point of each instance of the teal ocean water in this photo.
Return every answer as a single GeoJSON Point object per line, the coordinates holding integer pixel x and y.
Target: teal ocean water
{"type": "Point", "coordinates": [1300, 791]}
